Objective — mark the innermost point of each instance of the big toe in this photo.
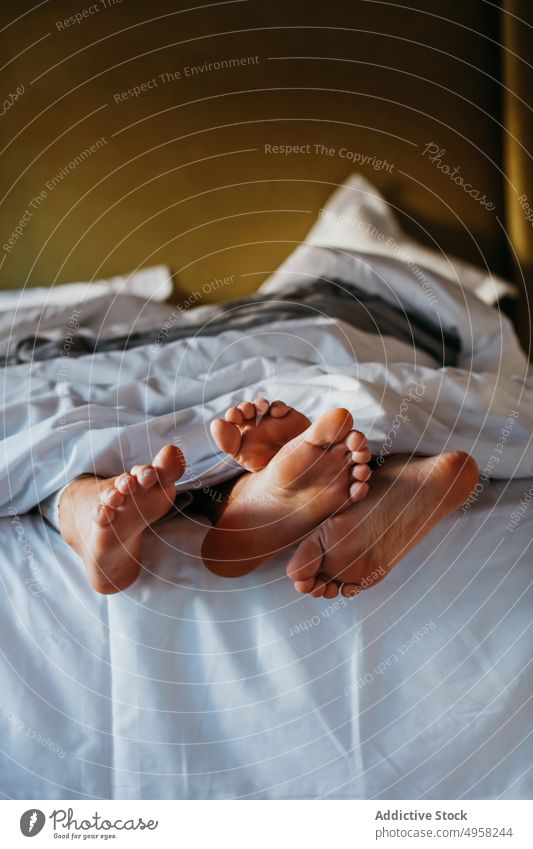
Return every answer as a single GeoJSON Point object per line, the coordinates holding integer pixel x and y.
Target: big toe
{"type": "Point", "coordinates": [103, 515]}
{"type": "Point", "coordinates": [227, 436]}
{"type": "Point", "coordinates": [169, 464]}
{"type": "Point", "coordinates": [330, 428]}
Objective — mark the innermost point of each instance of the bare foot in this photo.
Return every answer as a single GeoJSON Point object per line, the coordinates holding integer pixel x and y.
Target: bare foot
{"type": "Point", "coordinates": [311, 477]}
{"type": "Point", "coordinates": [253, 433]}
{"type": "Point", "coordinates": [103, 520]}
{"type": "Point", "coordinates": [357, 548]}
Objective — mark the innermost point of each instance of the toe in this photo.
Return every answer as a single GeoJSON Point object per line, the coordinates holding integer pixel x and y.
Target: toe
{"type": "Point", "coordinates": [330, 428]}
{"type": "Point", "coordinates": [358, 490]}
{"type": "Point", "coordinates": [247, 409]}
{"type": "Point", "coordinates": [146, 475]}
{"type": "Point", "coordinates": [262, 406]}
{"type": "Point", "coordinates": [103, 515]}
{"type": "Point", "coordinates": [112, 497]}
{"type": "Point", "coordinates": [278, 409]}
{"type": "Point", "coordinates": [356, 441]}
{"type": "Point", "coordinates": [306, 560]}
{"type": "Point", "coordinates": [227, 436]}
{"type": "Point", "coordinates": [320, 587]}
{"type": "Point", "coordinates": [169, 464]}
{"type": "Point", "coordinates": [361, 472]}
{"type": "Point", "coordinates": [126, 484]}
{"type": "Point", "coordinates": [305, 586]}
{"type": "Point", "coordinates": [234, 415]}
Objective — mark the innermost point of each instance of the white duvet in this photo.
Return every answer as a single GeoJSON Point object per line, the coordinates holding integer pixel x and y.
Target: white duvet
{"type": "Point", "coordinates": [189, 686]}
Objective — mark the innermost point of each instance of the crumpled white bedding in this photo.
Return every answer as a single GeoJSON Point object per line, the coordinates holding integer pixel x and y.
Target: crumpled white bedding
{"type": "Point", "coordinates": [189, 686]}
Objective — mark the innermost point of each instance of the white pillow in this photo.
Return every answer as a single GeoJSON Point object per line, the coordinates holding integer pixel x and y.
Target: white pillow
{"type": "Point", "coordinates": [357, 218]}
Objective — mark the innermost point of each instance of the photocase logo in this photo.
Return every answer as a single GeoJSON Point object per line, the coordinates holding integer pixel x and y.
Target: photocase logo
{"type": "Point", "coordinates": [32, 822]}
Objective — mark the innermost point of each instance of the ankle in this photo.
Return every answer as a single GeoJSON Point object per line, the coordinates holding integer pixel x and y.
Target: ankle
{"type": "Point", "coordinates": [73, 498]}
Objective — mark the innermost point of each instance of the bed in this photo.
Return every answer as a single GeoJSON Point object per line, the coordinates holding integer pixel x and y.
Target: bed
{"type": "Point", "coordinates": [190, 686]}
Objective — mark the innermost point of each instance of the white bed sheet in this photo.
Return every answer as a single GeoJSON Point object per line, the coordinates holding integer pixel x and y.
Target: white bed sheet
{"type": "Point", "coordinates": [189, 686]}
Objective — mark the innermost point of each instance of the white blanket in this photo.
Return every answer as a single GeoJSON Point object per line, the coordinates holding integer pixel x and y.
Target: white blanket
{"type": "Point", "coordinates": [189, 686]}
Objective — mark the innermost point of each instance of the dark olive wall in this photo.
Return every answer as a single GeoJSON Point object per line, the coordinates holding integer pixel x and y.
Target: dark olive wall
{"type": "Point", "coordinates": [182, 176]}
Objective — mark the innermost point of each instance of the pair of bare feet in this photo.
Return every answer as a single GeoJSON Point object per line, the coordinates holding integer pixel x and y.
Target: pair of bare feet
{"type": "Point", "coordinates": [305, 484]}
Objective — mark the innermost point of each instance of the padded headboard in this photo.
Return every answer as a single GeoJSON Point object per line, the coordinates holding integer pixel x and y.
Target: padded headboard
{"type": "Point", "coordinates": [208, 138]}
